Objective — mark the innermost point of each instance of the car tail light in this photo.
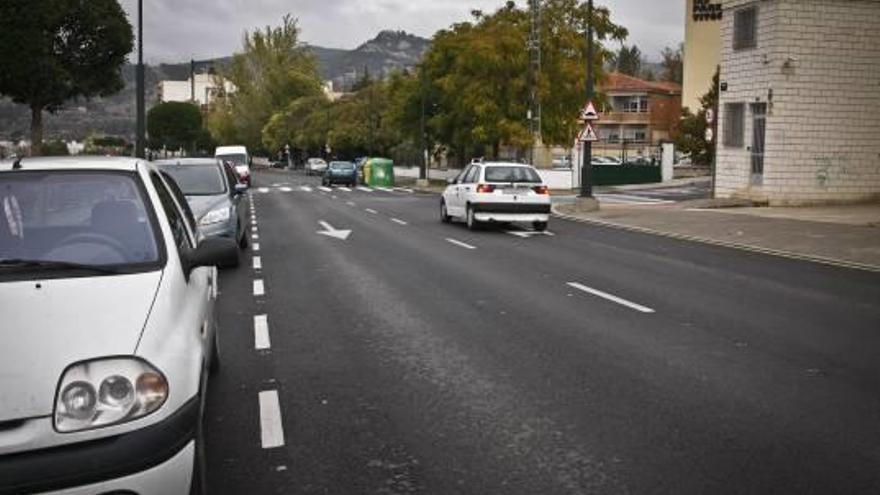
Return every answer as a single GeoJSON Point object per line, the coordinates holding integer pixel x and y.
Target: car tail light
{"type": "Point", "coordinates": [485, 188]}
{"type": "Point", "coordinates": [541, 190]}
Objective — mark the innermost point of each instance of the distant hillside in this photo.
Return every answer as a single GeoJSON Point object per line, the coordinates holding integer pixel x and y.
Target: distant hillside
{"type": "Point", "coordinates": [387, 52]}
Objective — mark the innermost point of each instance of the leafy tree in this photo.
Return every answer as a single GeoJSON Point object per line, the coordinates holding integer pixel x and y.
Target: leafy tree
{"type": "Point", "coordinates": [55, 148]}
{"type": "Point", "coordinates": [174, 125]}
{"type": "Point", "coordinates": [52, 51]}
{"type": "Point", "coordinates": [628, 60]}
{"type": "Point", "coordinates": [691, 135]}
{"type": "Point", "coordinates": [273, 70]}
{"type": "Point", "coordinates": [673, 65]}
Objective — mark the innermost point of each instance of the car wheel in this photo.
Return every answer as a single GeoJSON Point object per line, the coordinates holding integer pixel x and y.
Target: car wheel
{"type": "Point", "coordinates": [198, 485]}
{"type": "Point", "coordinates": [540, 226]}
{"type": "Point", "coordinates": [444, 215]}
{"type": "Point", "coordinates": [215, 353]}
{"type": "Point", "coordinates": [472, 222]}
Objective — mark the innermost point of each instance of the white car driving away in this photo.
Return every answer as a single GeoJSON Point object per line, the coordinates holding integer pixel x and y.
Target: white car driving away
{"type": "Point", "coordinates": [497, 192]}
{"type": "Point", "coordinates": [107, 332]}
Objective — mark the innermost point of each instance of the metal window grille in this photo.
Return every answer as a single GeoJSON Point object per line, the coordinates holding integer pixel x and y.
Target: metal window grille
{"type": "Point", "coordinates": [734, 123]}
{"type": "Point", "coordinates": [745, 28]}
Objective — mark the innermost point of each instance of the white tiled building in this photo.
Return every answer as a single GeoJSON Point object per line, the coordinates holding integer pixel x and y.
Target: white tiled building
{"type": "Point", "coordinates": [206, 89]}
{"type": "Point", "coordinates": [799, 105]}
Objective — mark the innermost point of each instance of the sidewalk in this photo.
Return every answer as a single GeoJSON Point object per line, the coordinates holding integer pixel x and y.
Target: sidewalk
{"type": "Point", "coordinates": [836, 235]}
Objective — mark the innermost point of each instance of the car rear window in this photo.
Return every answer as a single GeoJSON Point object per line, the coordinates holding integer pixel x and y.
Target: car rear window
{"type": "Point", "coordinates": [342, 166]}
{"type": "Point", "coordinates": [512, 174]}
{"type": "Point", "coordinates": [197, 180]}
{"type": "Point", "coordinates": [236, 159]}
{"type": "Point", "coordinates": [89, 218]}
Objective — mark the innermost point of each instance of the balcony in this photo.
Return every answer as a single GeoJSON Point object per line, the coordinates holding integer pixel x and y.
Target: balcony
{"type": "Point", "coordinates": [614, 117]}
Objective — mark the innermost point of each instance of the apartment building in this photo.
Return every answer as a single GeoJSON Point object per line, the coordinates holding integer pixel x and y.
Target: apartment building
{"type": "Point", "coordinates": [799, 110]}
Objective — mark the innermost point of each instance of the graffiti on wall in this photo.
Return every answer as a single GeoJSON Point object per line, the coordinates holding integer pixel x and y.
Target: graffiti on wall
{"type": "Point", "coordinates": [831, 171]}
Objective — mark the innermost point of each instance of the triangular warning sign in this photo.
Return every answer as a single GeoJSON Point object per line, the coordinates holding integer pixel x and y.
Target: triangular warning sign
{"type": "Point", "coordinates": [589, 112]}
{"type": "Point", "coordinates": [588, 135]}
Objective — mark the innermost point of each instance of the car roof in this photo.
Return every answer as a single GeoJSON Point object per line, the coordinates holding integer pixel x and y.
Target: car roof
{"type": "Point", "coordinates": [76, 163]}
{"type": "Point", "coordinates": [186, 161]}
{"type": "Point", "coordinates": [504, 164]}
{"type": "Point", "coordinates": [222, 150]}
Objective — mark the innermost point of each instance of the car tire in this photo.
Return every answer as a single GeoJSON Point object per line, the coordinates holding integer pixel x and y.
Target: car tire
{"type": "Point", "coordinates": [214, 366]}
{"type": "Point", "coordinates": [539, 226]}
{"type": "Point", "coordinates": [444, 215]}
{"type": "Point", "coordinates": [243, 242]}
{"type": "Point", "coordinates": [472, 222]}
{"type": "Point", "coordinates": [198, 484]}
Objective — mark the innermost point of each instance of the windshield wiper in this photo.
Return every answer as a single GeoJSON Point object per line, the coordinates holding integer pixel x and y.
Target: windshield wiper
{"type": "Point", "coordinates": [56, 265]}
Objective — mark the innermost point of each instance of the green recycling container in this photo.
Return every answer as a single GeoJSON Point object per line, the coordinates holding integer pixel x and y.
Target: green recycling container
{"type": "Point", "coordinates": [379, 172]}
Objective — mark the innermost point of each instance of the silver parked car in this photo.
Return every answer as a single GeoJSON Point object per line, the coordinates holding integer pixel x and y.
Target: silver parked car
{"type": "Point", "coordinates": [108, 330]}
{"type": "Point", "coordinates": [215, 196]}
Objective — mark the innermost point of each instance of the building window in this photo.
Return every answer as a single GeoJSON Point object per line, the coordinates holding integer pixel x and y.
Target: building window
{"type": "Point", "coordinates": [643, 104]}
{"type": "Point", "coordinates": [734, 123]}
{"type": "Point", "coordinates": [745, 28]}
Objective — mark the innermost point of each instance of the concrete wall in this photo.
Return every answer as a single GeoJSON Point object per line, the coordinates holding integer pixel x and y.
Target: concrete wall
{"type": "Point", "coordinates": [821, 59]}
{"type": "Point", "coordinates": [702, 54]}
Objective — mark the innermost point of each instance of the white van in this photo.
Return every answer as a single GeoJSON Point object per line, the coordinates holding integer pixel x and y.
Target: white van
{"type": "Point", "coordinates": [240, 159]}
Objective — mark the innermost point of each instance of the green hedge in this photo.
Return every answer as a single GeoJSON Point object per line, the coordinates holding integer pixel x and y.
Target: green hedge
{"type": "Point", "coordinates": [617, 175]}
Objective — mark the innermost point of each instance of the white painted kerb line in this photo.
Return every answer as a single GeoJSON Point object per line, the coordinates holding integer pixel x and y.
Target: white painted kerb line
{"type": "Point", "coordinates": [610, 297]}
{"type": "Point", "coordinates": [460, 244]}
{"type": "Point", "coordinates": [271, 428]}
{"type": "Point", "coordinates": [261, 332]}
{"type": "Point", "coordinates": [258, 263]}
{"type": "Point", "coordinates": [259, 288]}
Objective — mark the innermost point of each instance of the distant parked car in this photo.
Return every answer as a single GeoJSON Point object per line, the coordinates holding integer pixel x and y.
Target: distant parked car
{"type": "Point", "coordinates": [562, 162]}
{"type": "Point", "coordinates": [109, 334]}
{"type": "Point", "coordinates": [239, 157]}
{"type": "Point", "coordinates": [315, 166]}
{"type": "Point", "coordinates": [217, 200]}
{"type": "Point", "coordinates": [497, 192]}
{"type": "Point", "coordinates": [340, 173]}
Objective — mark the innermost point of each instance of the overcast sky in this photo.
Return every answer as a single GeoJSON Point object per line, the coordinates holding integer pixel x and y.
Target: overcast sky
{"type": "Point", "coordinates": [175, 30]}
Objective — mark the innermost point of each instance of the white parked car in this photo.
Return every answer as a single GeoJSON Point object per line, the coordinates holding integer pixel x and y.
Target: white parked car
{"type": "Point", "coordinates": [315, 166]}
{"type": "Point", "coordinates": [107, 332]}
{"type": "Point", "coordinates": [497, 192]}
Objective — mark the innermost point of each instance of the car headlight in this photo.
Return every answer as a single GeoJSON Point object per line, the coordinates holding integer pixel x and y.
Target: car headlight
{"type": "Point", "coordinates": [106, 392]}
{"type": "Point", "coordinates": [215, 216]}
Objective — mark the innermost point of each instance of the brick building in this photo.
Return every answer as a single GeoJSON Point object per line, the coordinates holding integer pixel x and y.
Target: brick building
{"type": "Point", "coordinates": [799, 110]}
{"type": "Point", "coordinates": [638, 115]}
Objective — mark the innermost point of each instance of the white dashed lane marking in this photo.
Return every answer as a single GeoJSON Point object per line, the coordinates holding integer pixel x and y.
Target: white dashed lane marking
{"type": "Point", "coordinates": [364, 189]}
{"type": "Point", "coordinates": [460, 244]}
{"type": "Point", "coordinates": [610, 297]}
{"type": "Point", "coordinates": [258, 263]}
{"type": "Point", "coordinates": [271, 428]}
{"type": "Point", "coordinates": [256, 247]}
{"type": "Point", "coordinates": [398, 221]}
{"type": "Point", "coordinates": [371, 211]}
{"type": "Point", "coordinates": [325, 189]}
{"type": "Point", "coordinates": [305, 188]}
{"type": "Point", "coordinates": [259, 288]}
{"type": "Point", "coordinates": [261, 332]}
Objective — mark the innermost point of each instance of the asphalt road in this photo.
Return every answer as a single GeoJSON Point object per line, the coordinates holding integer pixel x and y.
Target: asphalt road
{"type": "Point", "coordinates": [418, 357]}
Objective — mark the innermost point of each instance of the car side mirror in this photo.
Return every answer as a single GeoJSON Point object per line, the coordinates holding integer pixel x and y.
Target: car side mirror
{"type": "Point", "coordinates": [240, 188]}
{"type": "Point", "coordinates": [213, 251]}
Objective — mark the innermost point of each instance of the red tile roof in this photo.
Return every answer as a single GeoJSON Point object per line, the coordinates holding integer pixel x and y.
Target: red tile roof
{"type": "Point", "coordinates": [617, 82]}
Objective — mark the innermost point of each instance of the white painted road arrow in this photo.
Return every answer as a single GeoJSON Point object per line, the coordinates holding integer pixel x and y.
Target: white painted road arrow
{"type": "Point", "coordinates": [329, 231]}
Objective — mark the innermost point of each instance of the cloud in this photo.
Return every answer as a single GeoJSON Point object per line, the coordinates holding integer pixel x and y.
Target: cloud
{"type": "Point", "coordinates": [175, 30]}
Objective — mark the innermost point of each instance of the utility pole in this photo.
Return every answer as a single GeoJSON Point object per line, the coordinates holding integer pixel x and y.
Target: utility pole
{"type": "Point", "coordinates": [423, 170]}
{"type": "Point", "coordinates": [586, 166]}
{"type": "Point", "coordinates": [534, 46]}
{"type": "Point", "coordinates": [141, 132]}
{"type": "Point", "coordinates": [192, 80]}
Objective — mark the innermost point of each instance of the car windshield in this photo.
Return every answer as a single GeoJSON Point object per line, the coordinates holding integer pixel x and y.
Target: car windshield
{"type": "Point", "coordinates": [197, 180]}
{"type": "Point", "coordinates": [512, 174]}
{"type": "Point", "coordinates": [83, 218]}
{"type": "Point", "coordinates": [237, 159]}
{"type": "Point", "coordinates": [342, 166]}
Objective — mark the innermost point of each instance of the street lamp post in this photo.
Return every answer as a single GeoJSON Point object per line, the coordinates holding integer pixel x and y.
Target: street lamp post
{"type": "Point", "coordinates": [587, 166]}
{"type": "Point", "coordinates": [141, 132]}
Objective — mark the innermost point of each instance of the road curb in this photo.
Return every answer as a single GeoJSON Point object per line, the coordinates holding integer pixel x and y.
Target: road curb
{"type": "Point", "coordinates": [714, 242]}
